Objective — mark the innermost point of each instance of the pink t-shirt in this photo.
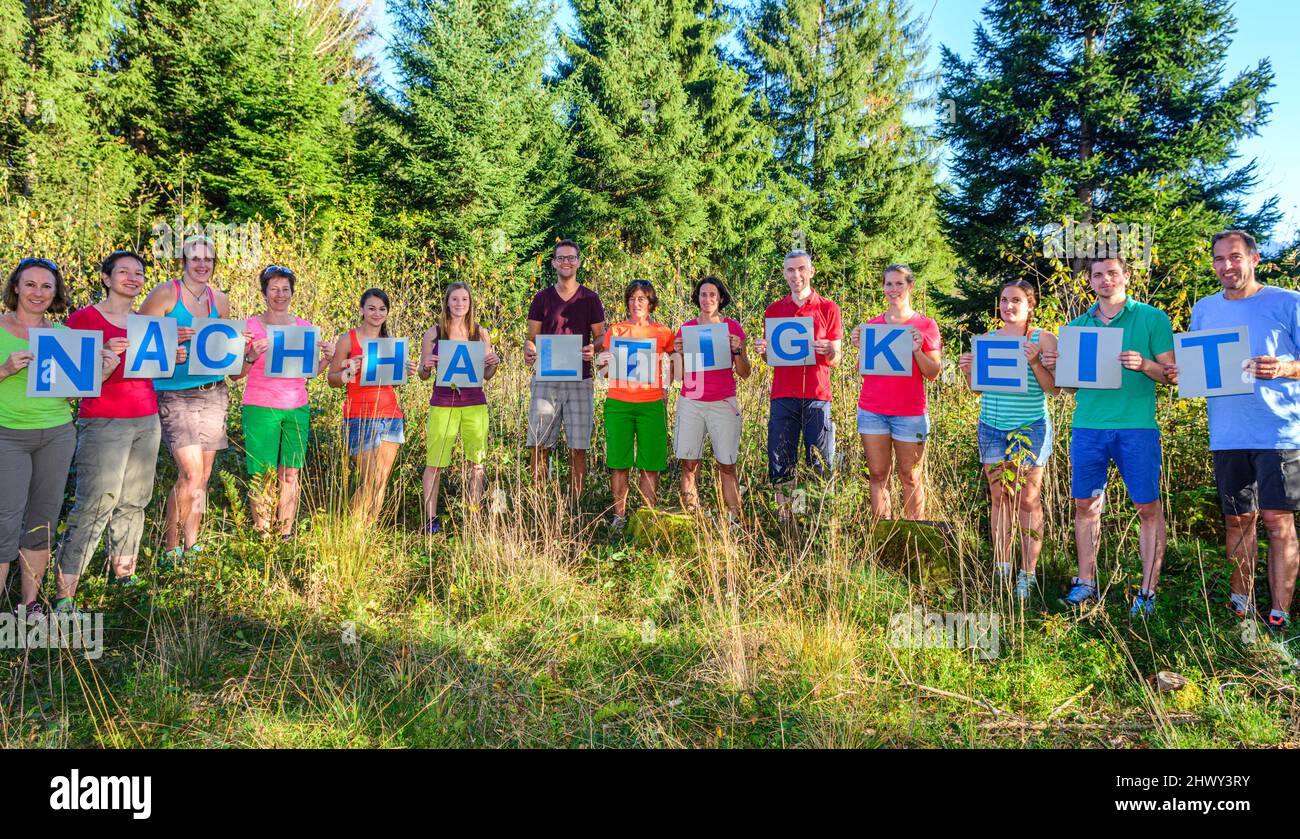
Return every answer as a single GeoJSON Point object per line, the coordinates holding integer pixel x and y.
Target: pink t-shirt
{"type": "Point", "coordinates": [119, 397]}
{"type": "Point", "coordinates": [896, 396]}
{"type": "Point", "coordinates": [812, 381]}
{"type": "Point", "coordinates": [711, 385]}
{"type": "Point", "coordinates": [285, 394]}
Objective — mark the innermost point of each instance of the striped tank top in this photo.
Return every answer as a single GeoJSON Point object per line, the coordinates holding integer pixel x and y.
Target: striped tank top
{"type": "Point", "coordinates": [1006, 411]}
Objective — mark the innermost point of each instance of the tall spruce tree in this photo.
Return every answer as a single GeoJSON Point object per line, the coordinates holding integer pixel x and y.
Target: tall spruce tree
{"type": "Point", "coordinates": [836, 79]}
{"type": "Point", "coordinates": [1088, 113]}
{"type": "Point", "coordinates": [57, 156]}
{"type": "Point", "coordinates": [637, 138]}
{"type": "Point", "coordinates": [470, 144]}
{"type": "Point", "coordinates": [248, 100]}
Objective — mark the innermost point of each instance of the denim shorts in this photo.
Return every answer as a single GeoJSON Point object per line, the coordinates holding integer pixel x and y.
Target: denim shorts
{"type": "Point", "coordinates": [1135, 451]}
{"type": "Point", "coordinates": [366, 433]}
{"type": "Point", "coordinates": [999, 446]}
{"type": "Point", "coordinates": [913, 429]}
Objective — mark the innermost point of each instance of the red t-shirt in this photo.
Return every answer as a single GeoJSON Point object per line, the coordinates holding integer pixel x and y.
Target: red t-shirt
{"type": "Point", "coordinates": [119, 397]}
{"type": "Point", "coordinates": [900, 396]}
{"type": "Point", "coordinates": [812, 381]}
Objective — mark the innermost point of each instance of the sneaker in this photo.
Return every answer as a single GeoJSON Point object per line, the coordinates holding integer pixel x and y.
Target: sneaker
{"type": "Point", "coordinates": [1080, 594]}
{"type": "Point", "coordinates": [130, 581]}
{"type": "Point", "coordinates": [1144, 606]}
{"type": "Point", "coordinates": [734, 523]}
{"type": "Point", "coordinates": [432, 527]}
{"type": "Point", "coordinates": [1025, 584]}
{"type": "Point", "coordinates": [1240, 609]}
{"type": "Point", "coordinates": [1277, 625]}
{"type": "Point", "coordinates": [171, 559]}
{"type": "Point", "coordinates": [31, 613]}
{"type": "Point", "coordinates": [66, 606]}
{"type": "Point", "coordinates": [618, 524]}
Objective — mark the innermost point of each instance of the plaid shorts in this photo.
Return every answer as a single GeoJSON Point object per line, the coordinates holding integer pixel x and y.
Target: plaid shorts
{"type": "Point", "coordinates": [554, 403]}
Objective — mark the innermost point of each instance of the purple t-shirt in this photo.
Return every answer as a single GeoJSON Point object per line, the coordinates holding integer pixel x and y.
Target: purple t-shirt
{"type": "Point", "coordinates": [574, 316]}
{"type": "Point", "coordinates": [455, 397]}
{"type": "Point", "coordinates": [711, 385]}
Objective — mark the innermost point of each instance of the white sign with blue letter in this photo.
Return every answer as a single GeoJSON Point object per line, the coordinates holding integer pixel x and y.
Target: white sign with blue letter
{"type": "Point", "coordinates": [65, 362]}
{"type": "Point", "coordinates": [885, 350]}
{"type": "Point", "coordinates": [1212, 362]}
{"type": "Point", "coordinates": [383, 361]}
{"type": "Point", "coordinates": [460, 363]}
{"type": "Point", "coordinates": [151, 347]}
{"type": "Point", "coordinates": [1088, 357]}
{"type": "Point", "coordinates": [790, 342]}
{"type": "Point", "coordinates": [559, 358]}
{"type": "Point", "coordinates": [291, 351]}
{"type": "Point", "coordinates": [217, 348]}
{"type": "Point", "coordinates": [634, 360]}
{"type": "Point", "coordinates": [999, 364]}
{"type": "Point", "coordinates": [705, 347]}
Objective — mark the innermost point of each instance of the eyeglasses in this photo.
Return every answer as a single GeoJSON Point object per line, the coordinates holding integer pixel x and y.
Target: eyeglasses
{"type": "Point", "coordinates": [38, 262]}
{"type": "Point", "coordinates": [565, 258]}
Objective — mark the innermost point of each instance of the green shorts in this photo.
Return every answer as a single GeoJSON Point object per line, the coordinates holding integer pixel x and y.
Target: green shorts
{"type": "Point", "coordinates": [275, 437]}
{"type": "Point", "coordinates": [470, 421]}
{"type": "Point", "coordinates": [643, 425]}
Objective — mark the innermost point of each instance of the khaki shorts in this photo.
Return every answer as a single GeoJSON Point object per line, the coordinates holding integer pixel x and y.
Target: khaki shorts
{"type": "Point", "coordinates": [719, 420]}
{"type": "Point", "coordinates": [194, 417]}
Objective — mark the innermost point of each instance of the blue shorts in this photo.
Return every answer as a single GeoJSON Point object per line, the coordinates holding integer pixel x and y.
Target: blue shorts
{"type": "Point", "coordinates": [366, 433]}
{"type": "Point", "coordinates": [999, 446]}
{"type": "Point", "coordinates": [790, 418]}
{"type": "Point", "coordinates": [1136, 452]}
{"type": "Point", "coordinates": [912, 429]}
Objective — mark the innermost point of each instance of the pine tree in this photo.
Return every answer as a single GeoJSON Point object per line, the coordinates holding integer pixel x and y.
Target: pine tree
{"type": "Point", "coordinates": [836, 80]}
{"type": "Point", "coordinates": [470, 146]}
{"type": "Point", "coordinates": [57, 158]}
{"type": "Point", "coordinates": [637, 138]}
{"type": "Point", "coordinates": [249, 99]}
{"type": "Point", "coordinates": [1095, 113]}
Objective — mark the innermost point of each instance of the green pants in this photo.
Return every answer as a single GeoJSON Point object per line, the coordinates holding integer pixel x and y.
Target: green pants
{"type": "Point", "coordinates": [636, 426]}
{"type": "Point", "coordinates": [275, 437]}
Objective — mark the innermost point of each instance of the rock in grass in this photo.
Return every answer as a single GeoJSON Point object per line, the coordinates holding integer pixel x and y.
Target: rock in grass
{"type": "Point", "coordinates": [930, 553]}
{"type": "Point", "coordinates": [1176, 690]}
{"type": "Point", "coordinates": [663, 531]}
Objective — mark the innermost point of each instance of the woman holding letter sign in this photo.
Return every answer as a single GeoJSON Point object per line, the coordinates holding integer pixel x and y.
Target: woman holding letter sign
{"type": "Point", "coordinates": [636, 413]}
{"type": "Point", "coordinates": [192, 408]}
{"type": "Point", "coordinates": [371, 414]}
{"type": "Point", "coordinates": [1015, 440]}
{"type": "Point", "coordinates": [708, 405]}
{"type": "Point", "coordinates": [37, 436]}
{"type": "Point", "coordinates": [455, 410]}
{"type": "Point", "coordinates": [892, 418]}
{"type": "Point", "coordinates": [276, 416]}
{"type": "Point", "coordinates": [117, 443]}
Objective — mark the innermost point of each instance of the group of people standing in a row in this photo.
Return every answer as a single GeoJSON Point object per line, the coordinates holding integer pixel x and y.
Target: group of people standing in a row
{"type": "Point", "coordinates": [1255, 437]}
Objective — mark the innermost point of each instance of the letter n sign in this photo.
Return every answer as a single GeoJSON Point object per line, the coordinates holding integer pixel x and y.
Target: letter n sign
{"type": "Point", "coordinates": [1211, 362]}
{"type": "Point", "coordinates": [999, 365]}
{"type": "Point", "coordinates": [65, 362]}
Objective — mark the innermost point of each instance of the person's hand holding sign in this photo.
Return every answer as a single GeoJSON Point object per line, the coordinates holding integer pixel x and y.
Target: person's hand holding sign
{"type": "Point", "coordinates": [117, 345]}
{"type": "Point", "coordinates": [412, 366]}
{"type": "Point", "coordinates": [184, 334]}
{"type": "Point", "coordinates": [1171, 373]}
{"type": "Point", "coordinates": [603, 360]}
{"type": "Point", "coordinates": [822, 347]}
{"type": "Point", "coordinates": [256, 348]}
{"type": "Point", "coordinates": [588, 352]}
{"type": "Point", "coordinates": [1049, 358]}
{"type": "Point", "coordinates": [429, 360]}
{"type": "Point", "coordinates": [110, 360]}
{"type": "Point", "coordinates": [327, 352]}
{"type": "Point", "coordinates": [1132, 360]}
{"type": "Point", "coordinates": [15, 362]}
{"type": "Point", "coordinates": [1269, 367]}
{"type": "Point", "coordinates": [1033, 353]}
{"type": "Point", "coordinates": [964, 361]}
{"type": "Point", "coordinates": [490, 360]}
{"type": "Point", "coordinates": [352, 368]}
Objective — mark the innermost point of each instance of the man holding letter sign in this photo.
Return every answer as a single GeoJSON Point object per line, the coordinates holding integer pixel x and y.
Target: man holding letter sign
{"type": "Point", "coordinates": [566, 308]}
{"type": "Point", "coordinates": [1255, 436]}
{"type": "Point", "coordinates": [191, 406]}
{"type": "Point", "coordinates": [801, 396]}
{"type": "Point", "coordinates": [708, 405]}
{"type": "Point", "coordinates": [1119, 425]}
{"type": "Point", "coordinates": [893, 418]}
{"type": "Point", "coordinates": [284, 353]}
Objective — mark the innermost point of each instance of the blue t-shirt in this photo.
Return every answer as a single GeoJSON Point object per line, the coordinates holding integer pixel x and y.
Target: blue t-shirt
{"type": "Point", "coordinates": [1269, 418]}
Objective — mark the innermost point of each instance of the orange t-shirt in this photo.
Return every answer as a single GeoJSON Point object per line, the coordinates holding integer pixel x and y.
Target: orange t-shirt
{"type": "Point", "coordinates": [635, 391]}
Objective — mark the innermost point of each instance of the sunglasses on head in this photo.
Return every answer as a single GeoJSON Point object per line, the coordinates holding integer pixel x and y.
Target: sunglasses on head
{"type": "Point", "coordinates": [271, 270]}
{"type": "Point", "coordinates": [641, 284]}
{"type": "Point", "coordinates": [37, 262]}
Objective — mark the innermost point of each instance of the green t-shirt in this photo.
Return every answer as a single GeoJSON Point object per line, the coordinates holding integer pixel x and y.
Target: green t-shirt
{"type": "Point", "coordinates": [1133, 404]}
{"type": "Point", "coordinates": [17, 409]}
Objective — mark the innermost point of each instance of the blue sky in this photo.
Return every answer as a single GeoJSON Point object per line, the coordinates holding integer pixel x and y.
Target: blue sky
{"type": "Point", "coordinates": [1265, 29]}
